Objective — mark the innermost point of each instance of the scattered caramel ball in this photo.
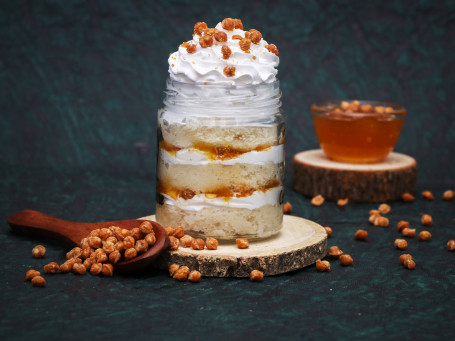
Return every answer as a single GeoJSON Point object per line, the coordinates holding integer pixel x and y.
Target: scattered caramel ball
{"type": "Point", "coordinates": [38, 251]}
{"type": "Point", "coordinates": [174, 243]}
{"type": "Point", "coordinates": [287, 208]}
{"type": "Point", "coordinates": [272, 48]}
{"type": "Point", "coordinates": [115, 256]}
{"type": "Point", "coordinates": [228, 24]}
{"type": "Point", "coordinates": [384, 208]}
{"type": "Point", "coordinates": [128, 242]}
{"type": "Point", "coordinates": [328, 230]}
{"type": "Point", "coordinates": [150, 239]}
{"type": "Point", "coordinates": [75, 252]}
{"type": "Point", "coordinates": [191, 48]}
{"type": "Point", "coordinates": [256, 276]}
{"type": "Point", "coordinates": [182, 273]}
{"type": "Point", "coordinates": [130, 253]}
{"type": "Point", "coordinates": [361, 234]}
{"type": "Point", "coordinates": [346, 260]}
{"type": "Point", "coordinates": [86, 252]}
{"type": "Point", "coordinates": [186, 240]}
{"type": "Point", "coordinates": [206, 41]}
{"type": "Point", "coordinates": [197, 244]}
{"type": "Point", "coordinates": [96, 269]}
{"type": "Point", "coordinates": [107, 270]}
{"type": "Point", "coordinates": [94, 242]}
{"type": "Point", "coordinates": [242, 243]}
{"type": "Point", "coordinates": [38, 281]}
{"type": "Point", "coordinates": [451, 245]}
{"type": "Point", "coordinates": [211, 244]}
{"type": "Point", "coordinates": [220, 36]}
{"type": "Point", "coordinates": [427, 220]}
{"type": "Point", "coordinates": [448, 195]}
{"type": "Point", "coordinates": [194, 276]}
{"type": "Point", "coordinates": [424, 235]}
{"type": "Point", "coordinates": [381, 221]}
{"type": "Point", "coordinates": [229, 71]}
{"type": "Point", "coordinates": [407, 232]}
{"type": "Point", "coordinates": [401, 244]}
{"type": "Point", "coordinates": [407, 197]}
{"type": "Point", "coordinates": [342, 202]}
{"type": "Point", "coordinates": [141, 246]}
{"type": "Point", "coordinates": [226, 51]}
{"type": "Point", "coordinates": [79, 269]}
{"type": "Point", "coordinates": [374, 212]}
{"type": "Point", "coordinates": [409, 264]}
{"type": "Point", "coordinates": [66, 267]}
{"type": "Point", "coordinates": [322, 265]}
{"type": "Point", "coordinates": [404, 257]}
{"type": "Point", "coordinates": [402, 224]}
{"type": "Point", "coordinates": [30, 274]}
{"type": "Point", "coordinates": [238, 24]}
{"type": "Point", "coordinates": [146, 227]}
{"type": "Point", "coordinates": [255, 36]}
{"type": "Point", "coordinates": [51, 268]}
{"type": "Point", "coordinates": [373, 216]}
{"type": "Point", "coordinates": [173, 268]}
{"type": "Point", "coordinates": [199, 27]}
{"type": "Point", "coordinates": [427, 195]}
{"type": "Point", "coordinates": [179, 232]}
{"type": "Point", "coordinates": [335, 252]}
{"type": "Point", "coordinates": [318, 200]}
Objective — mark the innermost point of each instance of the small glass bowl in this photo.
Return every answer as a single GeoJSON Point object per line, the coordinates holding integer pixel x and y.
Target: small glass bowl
{"type": "Point", "coordinates": [357, 131]}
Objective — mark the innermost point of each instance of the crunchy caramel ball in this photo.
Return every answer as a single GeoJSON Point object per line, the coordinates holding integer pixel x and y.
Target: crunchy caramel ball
{"type": "Point", "coordinates": [404, 257]}
{"type": "Point", "coordinates": [407, 197]}
{"type": "Point", "coordinates": [107, 270]}
{"type": "Point", "coordinates": [361, 234]}
{"type": "Point", "coordinates": [287, 208]}
{"type": "Point", "coordinates": [169, 230]}
{"type": "Point", "coordinates": [96, 269]}
{"type": "Point", "coordinates": [119, 246]}
{"type": "Point", "coordinates": [136, 233]}
{"type": "Point", "coordinates": [51, 268]}
{"type": "Point", "coordinates": [427, 220]}
{"type": "Point", "coordinates": [211, 244]}
{"type": "Point", "coordinates": [75, 252]}
{"type": "Point", "coordinates": [194, 276]}
{"type": "Point", "coordinates": [346, 260]}
{"type": "Point", "coordinates": [199, 27]}
{"type": "Point", "coordinates": [272, 48]}
{"type": "Point", "coordinates": [141, 246]}
{"type": "Point", "coordinates": [146, 227]}
{"type": "Point", "coordinates": [256, 276]}
{"type": "Point", "coordinates": [407, 232]}
{"type": "Point", "coordinates": [206, 41]}
{"type": "Point", "coordinates": [115, 256]}
{"type": "Point", "coordinates": [226, 51]}
{"type": "Point", "coordinates": [191, 48]}
{"type": "Point", "coordinates": [128, 242]}
{"type": "Point", "coordinates": [108, 247]}
{"type": "Point", "coordinates": [179, 232]}
{"type": "Point", "coordinates": [88, 263]}
{"type": "Point", "coordinates": [427, 195]}
{"type": "Point", "coordinates": [402, 224]}
{"type": "Point", "coordinates": [150, 239]}
{"type": "Point", "coordinates": [451, 245]}
{"type": "Point", "coordinates": [186, 240]}
{"type": "Point", "coordinates": [342, 202]}
{"type": "Point", "coordinates": [318, 200]}
{"type": "Point", "coordinates": [95, 242]}
{"type": "Point", "coordinates": [38, 251]}
{"type": "Point", "coordinates": [197, 244]}
{"type": "Point", "coordinates": [401, 244]}
{"type": "Point", "coordinates": [448, 195]}
{"type": "Point", "coordinates": [242, 243]}
{"type": "Point", "coordinates": [384, 208]}
{"type": "Point", "coordinates": [174, 243]}
{"type": "Point", "coordinates": [238, 24]}
{"type": "Point", "coordinates": [30, 274]}
{"type": "Point", "coordinates": [220, 36]}
{"type": "Point", "coordinates": [173, 268]}
{"type": "Point", "coordinates": [424, 235]}
{"type": "Point", "coordinates": [328, 230]}
{"type": "Point", "coordinates": [381, 221]}
{"type": "Point", "coordinates": [409, 264]}
{"type": "Point", "coordinates": [255, 36]}
{"type": "Point", "coordinates": [79, 269]}
{"type": "Point", "coordinates": [38, 281]}
{"type": "Point", "coordinates": [105, 233]}
{"type": "Point", "coordinates": [322, 265]}
{"type": "Point", "coordinates": [182, 273]}
{"type": "Point", "coordinates": [228, 24]}
{"type": "Point", "coordinates": [229, 71]}
{"type": "Point", "coordinates": [335, 252]}
{"type": "Point", "coordinates": [130, 253]}
{"type": "Point", "coordinates": [66, 267]}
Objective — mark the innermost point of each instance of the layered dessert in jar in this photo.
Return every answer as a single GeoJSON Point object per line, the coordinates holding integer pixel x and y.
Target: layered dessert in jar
{"type": "Point", "coordinates": [220, 169]}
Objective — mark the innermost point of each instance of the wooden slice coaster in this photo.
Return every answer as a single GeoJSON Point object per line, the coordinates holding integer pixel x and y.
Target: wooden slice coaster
{"type": "Point", "coordinates": [314, 173]}
{"type": "Point", "coordinates": [300, 243]}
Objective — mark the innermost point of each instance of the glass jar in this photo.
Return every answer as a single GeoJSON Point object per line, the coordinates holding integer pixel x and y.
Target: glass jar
{"type": "Point", "coordinates": [220, 168]}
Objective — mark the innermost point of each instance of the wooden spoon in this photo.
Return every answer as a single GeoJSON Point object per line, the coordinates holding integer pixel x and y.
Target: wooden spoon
{"type": "Point", "coordinates": [37, 224]}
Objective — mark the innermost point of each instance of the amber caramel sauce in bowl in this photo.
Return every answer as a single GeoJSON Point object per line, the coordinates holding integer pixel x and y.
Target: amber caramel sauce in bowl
{"type": "Point", "coordinates": [357, 131]}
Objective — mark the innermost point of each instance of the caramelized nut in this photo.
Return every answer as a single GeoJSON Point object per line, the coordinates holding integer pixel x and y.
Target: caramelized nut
{"type": "Point", "coordinates": [424, 235]}
{"type": "Point", "coordinates": [211, 244]}
{"type": "Point", "coordinates": [407, 232]}
{"type": "Point", "coordinates": [146, 227]}
{"type": "Point", "coordinates": [105, 233]}
{"type": "Point", "coordinates": [256, 276]}
{"type": "Point", "coordinates": [245, 44]}
{"type": "Point", "coordinates": [407, 197]}
{"type": "Point", "coordinates": [86, 252]}
{"type": "Point", "coordinates": [404, 257]}
{"type": "Point", "coordinates": [174, 243]}
{"type": "Point", "coordinates": [242, 243]}
{"type": "Point", "coordinates": [448, 195]}
{"type": "Point", "coordinates": [427, 220]}
{"type": "Point", "coordinates": [238, 24]}
{"type": "Point", "coordinates": [150, 239]}
{"type": "Point", "coordinates": [381, 221]}
{"type": "Point", "coordinates": [335, 252]}
{"type": "Point", "coordinates": [287, 208]}
{"type": "Point", "coordinates": [346, 260]}
{"type": "Point", "coordinates": [318, 200]}
{"type": "Point", "coordinates": [226, 51]}
{"type": "Point", "coordinates": [169, 230]}
{"type": "Point", "coordinates": [182, 273]}
{"type": "Point", "coordinates": [141, 246]}
{"type": "Point", "coordinates": [194, 276]}
{"type": "Point", "coordinates": [409, 264]}
{"type": "Point", "coordinates": [366, 108]}
{"type": "Point", "coordinates": [384, 208]}
{"type": "Point", "coordinates": [130, 253]}
{"type": "Point", "coordinates": [342, 202]}
{"type": "Point", "coordinates": [51, 268]}
{"type": "Point", "coordinates": [75, 252]}
{"type": "Point", "coordinates": [128, 242]}
{"type": "Point", "coordinates": [30, 274]}
{"type": "Point", "coordinates": [401, 244]}
{"type": "Point", "coordinates": [191, 48]}
{"type": "Point", "coordinates": [108, 270]}
{"type": "Point", "coordinates": [123, 234]}
{"type": "Point", "coordinates": [322, 265]}
{"type": "Point", "coordinates": [328, 230]}
{"type": "Point", "coordinates": [119, 246]}
{"type": "Point", "coordinates": [38, 251]}
{"type": "Point", "coordinates": [228, 24]}
{"type": "Point", "coordinates": [96, 268]}
{"type": "Point", "coordinates": [79, 269]}
{"type": "Point", "coordinates": [94, 242]}
{"type": "Point", "coordinates": [402, 224]}
{"type": "Point", "coordinates": [272, 48]}
{"type": "Point", "coordinates": [173, 268]}
{"type": "Point", "coordinates": [255, 36]}
{"type": "Point", "coordinates": [38, 281]}
{"type": "Point", "coordinates": [199, 27]}
{"type": "Point", "coordinates": [101, 256]}
{"type": "Point", "coordinates": [427, 195]}
{"type": "Point", "coordinates": [229, 71]}
{"type": "Point", "coordinates": [94, 233]}
{"type": "Point", "coordinates": [179, 232]}
{"type": "Point", "coordinates": [197, 244]}
{"type": "Point", "coordinates": [361, 234]}
{"type": "Point", "coordinates": [186, 240]}
{"type": "Point", "coordinates": [220, 36]}
{"type": "Point", "coordinates": [108, 247]}
{"type": "Point", "coordinates": [451, 245]}
{"type": "Point", "coordinates": [66, 267]}
{"type": "Point", "coordinates": [115, 256]}
{"type": "Point", "coordinates": [136, 233]}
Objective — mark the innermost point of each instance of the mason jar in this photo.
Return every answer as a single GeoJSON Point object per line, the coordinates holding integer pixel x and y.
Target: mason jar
{"type": "Point", "coordinates": [220, 167]}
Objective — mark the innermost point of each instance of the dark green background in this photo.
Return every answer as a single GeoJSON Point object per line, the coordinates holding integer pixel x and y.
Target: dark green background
{"type": "Point", "coordinates": [80, 85]}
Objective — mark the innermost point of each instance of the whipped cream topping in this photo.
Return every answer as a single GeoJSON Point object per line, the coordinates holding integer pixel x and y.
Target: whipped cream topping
{"type": "Point", "coordinates": [191, 156]}
{"type": "Point", "coordinates": [255, 66]}
{"type": "Point", "coordinates": [200, 201]}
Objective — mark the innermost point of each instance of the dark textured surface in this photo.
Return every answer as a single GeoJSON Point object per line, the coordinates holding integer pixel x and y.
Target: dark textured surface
{"type": "Point", "coordinates": [80, 84]}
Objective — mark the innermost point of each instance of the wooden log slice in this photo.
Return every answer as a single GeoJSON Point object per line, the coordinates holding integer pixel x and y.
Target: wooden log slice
{"type": "Point", "coordinates": [314, 173]}
{"type": "Point", "coordinates": [300, 243]}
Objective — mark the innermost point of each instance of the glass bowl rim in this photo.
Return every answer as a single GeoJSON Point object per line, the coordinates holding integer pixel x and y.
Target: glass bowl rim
{"type": "Point", "coordinates": [319, 107]}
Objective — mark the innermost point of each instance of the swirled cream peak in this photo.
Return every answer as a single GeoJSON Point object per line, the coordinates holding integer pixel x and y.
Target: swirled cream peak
{"type": "Point", "coordinates": [225, 54]}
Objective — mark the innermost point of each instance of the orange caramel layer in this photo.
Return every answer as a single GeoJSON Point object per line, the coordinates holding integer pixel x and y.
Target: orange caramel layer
{"type": "Point", "coordinates": [214, 152]}
{"type": "Point", "coordinates": [220, 192]}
